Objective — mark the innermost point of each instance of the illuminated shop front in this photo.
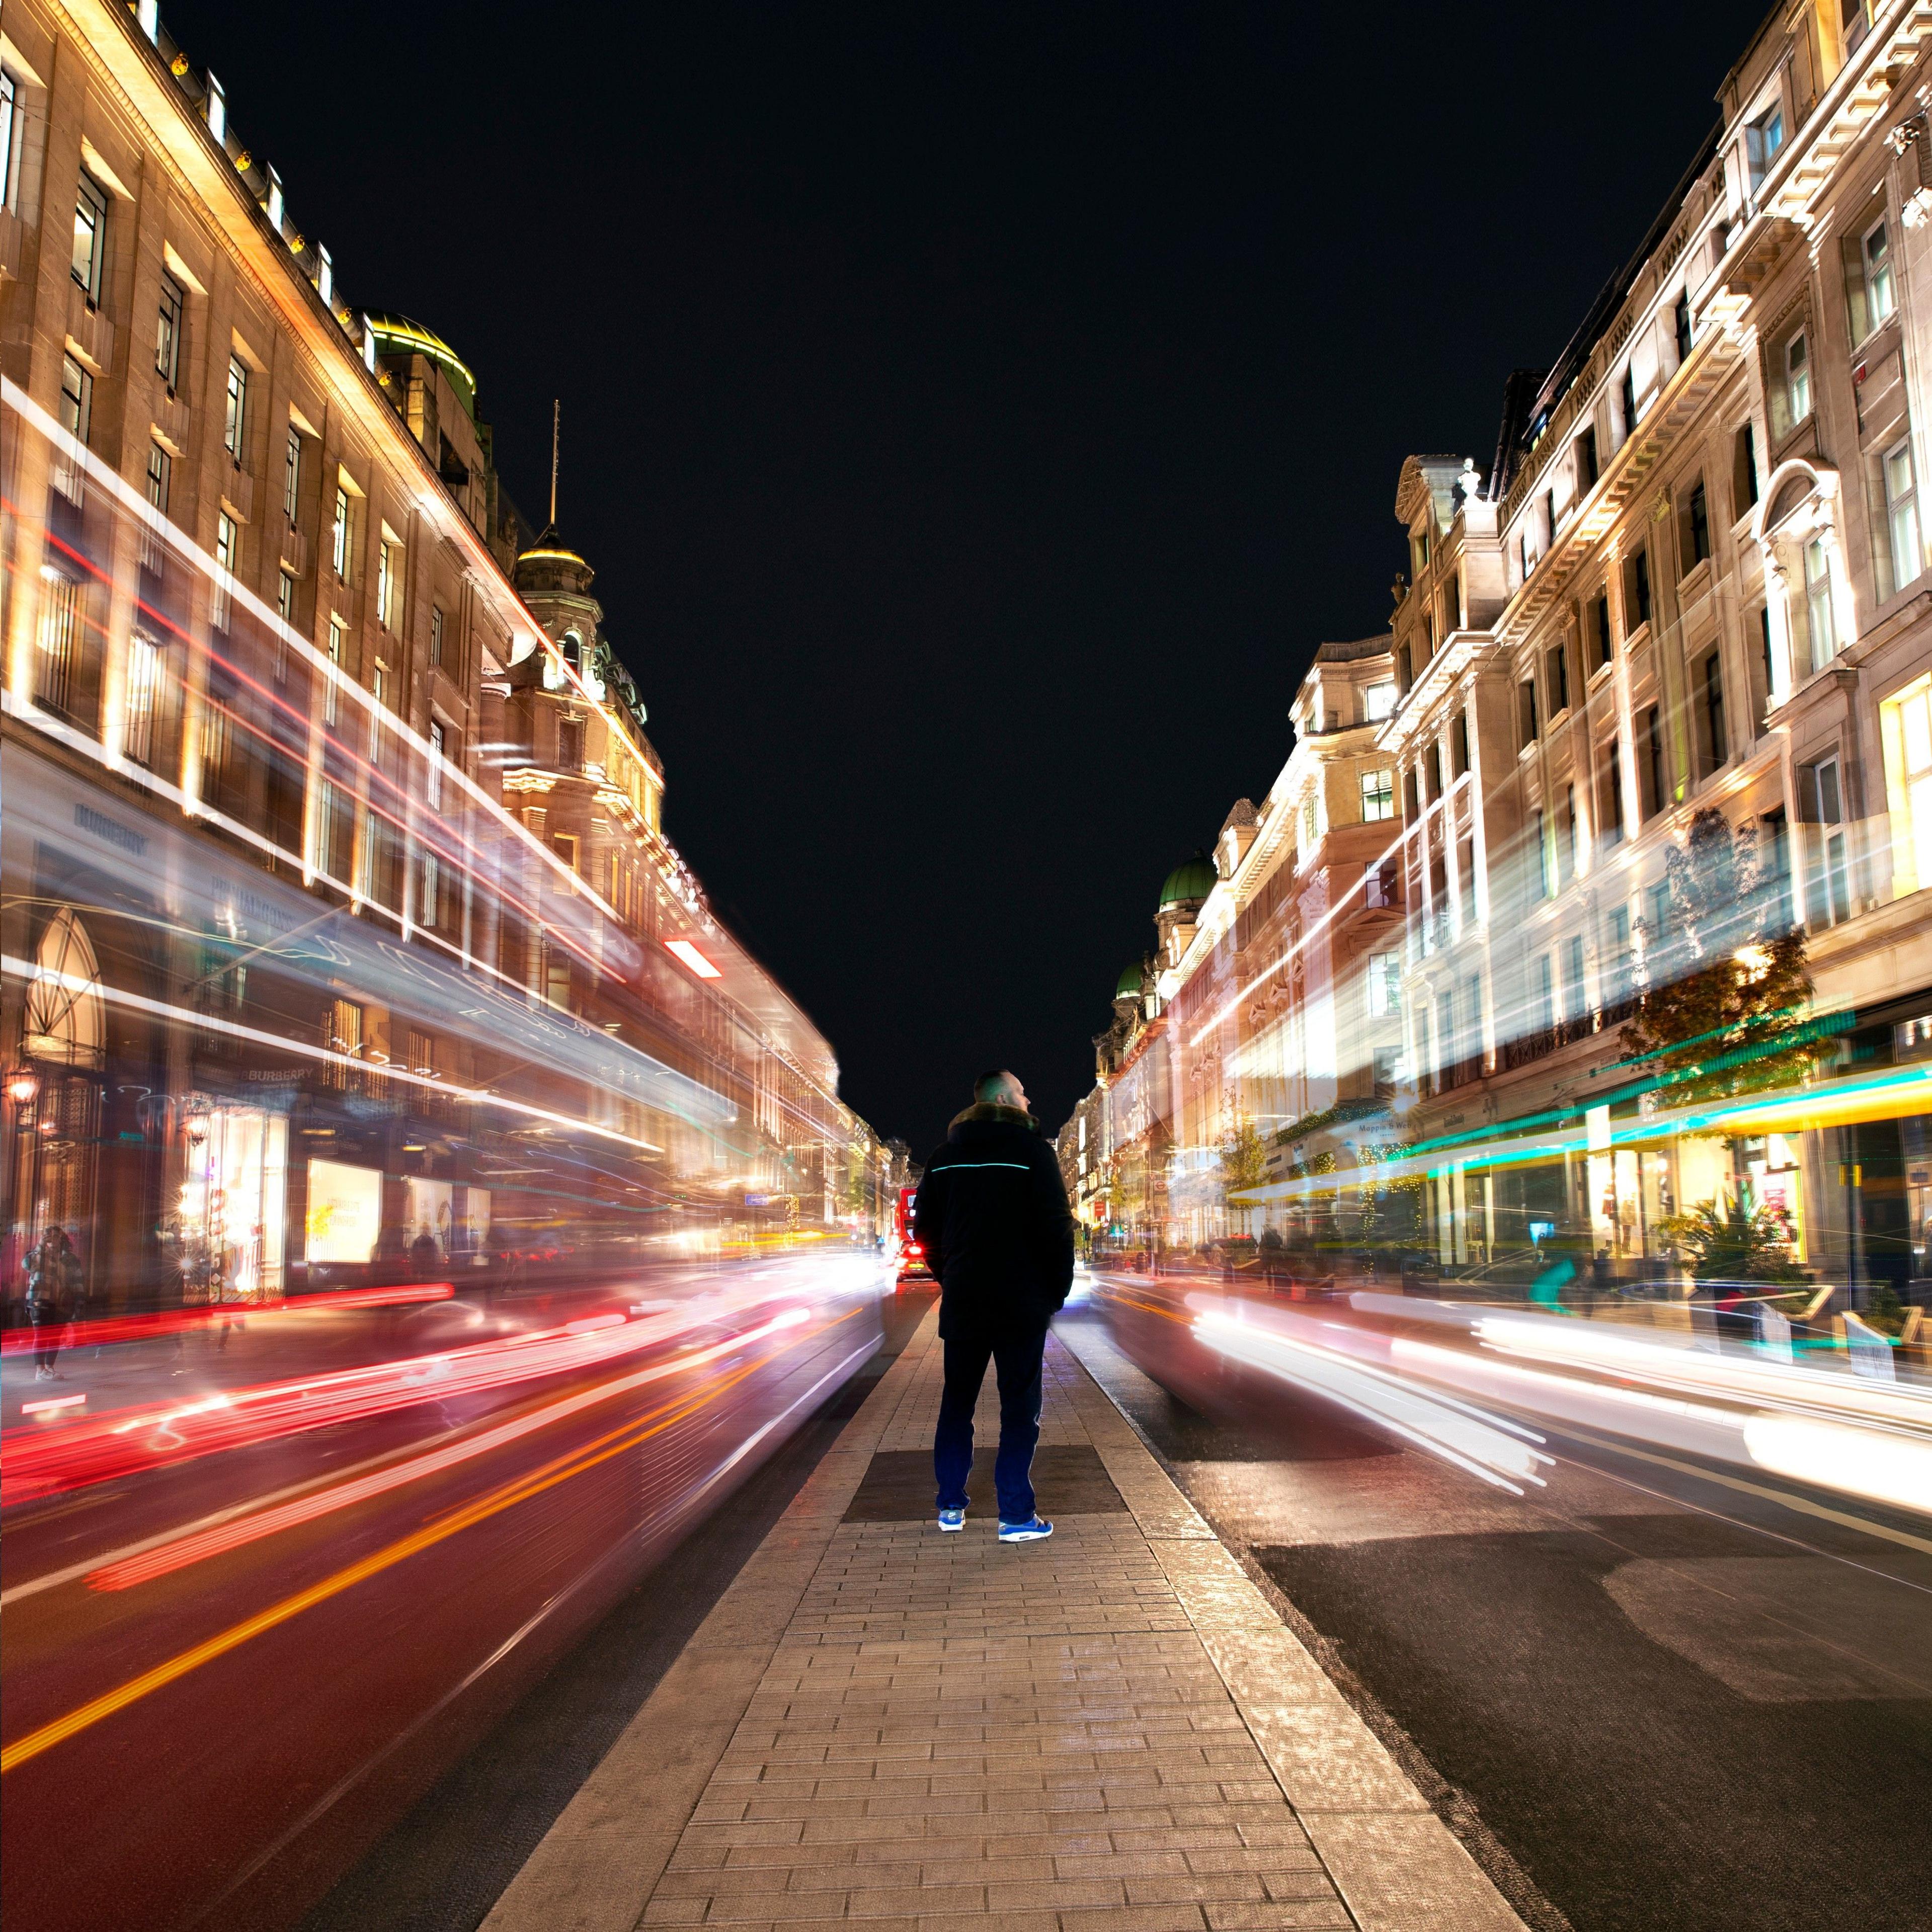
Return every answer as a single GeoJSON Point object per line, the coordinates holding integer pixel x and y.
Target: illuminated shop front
{"type": "Point", "coordinates": [233, 1206]}
{"type": "Point", "coordinates": [344, 1218]}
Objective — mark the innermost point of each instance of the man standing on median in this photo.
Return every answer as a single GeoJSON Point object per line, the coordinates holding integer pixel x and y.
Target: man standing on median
{"type": "Point", "coordinates": [991, 1213]}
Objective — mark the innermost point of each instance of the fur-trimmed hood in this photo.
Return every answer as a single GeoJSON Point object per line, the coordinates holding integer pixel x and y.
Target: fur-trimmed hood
{"type": "Point", "coordinates": [992, 1111]}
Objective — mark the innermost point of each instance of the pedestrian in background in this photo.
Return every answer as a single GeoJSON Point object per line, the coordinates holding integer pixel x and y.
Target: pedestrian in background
{"type": "Point", "coordinates": [48, 1301]}
{"type": "Point", "coordinates": [991, 1213]}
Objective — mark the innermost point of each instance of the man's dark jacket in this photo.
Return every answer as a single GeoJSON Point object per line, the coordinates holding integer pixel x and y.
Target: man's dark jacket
{"type": "Point", "coordinates": [991, 1214]}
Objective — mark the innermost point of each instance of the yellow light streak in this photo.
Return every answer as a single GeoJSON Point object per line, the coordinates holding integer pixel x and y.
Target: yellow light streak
{"type": "Point", "coordinates": [521, 1489]}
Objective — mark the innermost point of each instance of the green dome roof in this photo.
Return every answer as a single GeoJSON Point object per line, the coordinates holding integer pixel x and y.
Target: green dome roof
{"type": "Point", "coordinates": [1192, 880]}
{"type": "Point", "coordinates": [1129, 985]}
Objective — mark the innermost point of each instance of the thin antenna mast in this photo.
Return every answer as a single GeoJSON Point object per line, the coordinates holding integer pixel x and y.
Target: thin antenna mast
{"type": "Point", "coordinates": [556, 433]}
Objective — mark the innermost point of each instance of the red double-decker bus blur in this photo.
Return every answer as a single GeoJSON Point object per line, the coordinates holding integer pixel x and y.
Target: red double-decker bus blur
{"type": "Point", "coordinates": [912, 1265]}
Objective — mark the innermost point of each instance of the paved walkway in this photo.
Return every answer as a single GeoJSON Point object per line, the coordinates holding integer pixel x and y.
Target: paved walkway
{"type": "Point", "coordinates": [1110, 1729]}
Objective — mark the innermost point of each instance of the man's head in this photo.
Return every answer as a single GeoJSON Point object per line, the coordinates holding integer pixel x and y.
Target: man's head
{"type": "Point", "coordinates": [999, 1088]}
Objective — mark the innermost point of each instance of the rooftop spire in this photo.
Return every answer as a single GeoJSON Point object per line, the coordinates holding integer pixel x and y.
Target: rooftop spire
{"type": "Point", "coordinates": [555, 433]}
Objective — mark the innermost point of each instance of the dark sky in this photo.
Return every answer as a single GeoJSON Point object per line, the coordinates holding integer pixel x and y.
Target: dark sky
{"type": "Point", "coordinates": [976, 414]}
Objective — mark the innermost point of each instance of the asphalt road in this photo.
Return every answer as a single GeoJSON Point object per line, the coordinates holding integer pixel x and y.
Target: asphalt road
{"type": "Point", "coordinates": [269, 1612]}
{"type": "Point", "coordinates": [1649, 1701]}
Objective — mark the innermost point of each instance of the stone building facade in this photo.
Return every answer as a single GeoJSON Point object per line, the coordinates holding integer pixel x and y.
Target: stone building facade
{"type": "Point", "coordinates": [338, 896]}
{"type": "Point", "coordinates": [1693, 580]}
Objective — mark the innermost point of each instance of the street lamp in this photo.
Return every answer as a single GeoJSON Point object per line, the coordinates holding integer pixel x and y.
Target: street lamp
{"type": "Point", "coordinates": [23, 1084]}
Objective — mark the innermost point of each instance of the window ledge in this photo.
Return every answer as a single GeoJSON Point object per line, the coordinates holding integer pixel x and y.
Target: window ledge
{"type": "Point", "coordinates": [1641, 635]}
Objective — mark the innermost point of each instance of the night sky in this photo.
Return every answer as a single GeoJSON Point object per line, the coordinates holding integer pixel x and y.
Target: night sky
{"type": "Point", "coordinates": [976, 415]}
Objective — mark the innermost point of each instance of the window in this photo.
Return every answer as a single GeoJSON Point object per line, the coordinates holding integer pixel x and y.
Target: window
{"type": "Point", "coordinates": [1377, 795]}
{"type": "Point", "coordinates": [76, 399]}
{"type": "Point", "coordinates": [1573, 978]}
{"type": "Point", "coordinates": [235, 422]}
{"type": "Point", "coordinates": [1379, 885]}
{"type": "Point", "coordinates": [168, 333]}
{"type": "Point", "coordinates": [436, 633]}
{"type": "Point", "coordinates": [1764, 653]}
{"type": "Point", "coordinates": [1828, 895]}
{"type": "Point", "coordinates": [285, 609]}
{"type": "Point", "coordinates": [1543, 872]}
{"type": "Point", "coordinates": [388, 584]}
{"type": "Point", "coordinates": [1585, 446]}
{"type": "Point", "coordinates": [54, 641]}
{"type": "Point", "coordinates": [379, 685]}
{"type": "Point", "coordinates": [1526, 711]}
{"type": "Point", "coordinates": [1697, 525]}
{"type": "Point", "coordinates": [292, 469]}
{"type": "Point", "coordinates": [1614, 818]}
{"type": "Point", "coordinates": [1556, 676]}
{"type": "Point", "coordinates": [1822, 622]}
{"type": "Point", "coordinates": [1436, 768]}
{"type": "Point", "coordinates": [1404, 677]}
{"type": "Point", "coordinates": [1526, 553]}
{"type": "Point", "coordinates": [1681, 320]}
{"type": "Point", "coordinates": [1910, 755]}
{"type": "Point", "coordinates": [429, 908]}
{"type": "Point", "coordinates": [10, 94]}
{"type": "Point", "coordinates": [1637, 592]}
{"type": "Point", "coordinates": [340, 548]}
{"type": "Point", "coordinates": [1901, 511]}
{"type": "Point", "coordinates": [1762, 139]}
{"type": "Point", "coordinates": [1545, 1013]}
{"type": "Point", "coordinates": [1411, 805]}
{"type": "Point", "coordinates": [1713, 710]}
{"type": "Point", "coordinates": [1458, 744]}
{"type": "Point", "coordinates": [1385, 984]}
{"type": "Point", "coordinates": [1550, 517]}
{"type": "Point", "coordinates": [227, 555]}
{"type": "Point", "coordinates": [1797, 380]}
{"type": "Point", "coordinates": [1622, 959]}
{"type": "Point", "coordinates": [571, 646]}
{"type": "Point", "coordinates": [144, 669]}
{"type": "Point", "coordinates": [570, 750]}
{"type": "Point", "coordinates": [1857, 23]}
{"type": "Point", "coordinates": [1308, 821]}
{"type": "Point", "coordinates": [1743, 470]}
{"type": "Point", "coordinates": [1452, 606]}
{"type": "Point", "coordinates": [1569, 832]}
{"type": "Point", "coordinates": [433, 789]}
{"type": "Point", "coordinates": [1597, 620]}
{"type": "Point", "coordinates": [1378, 701]}
{"type": "Point", "coordinates": [1653, 754]}
{"type": "Point", "coordinates": [161, 478]}
{"type": "Point", "coordinates": [565, 846]}
{"type": "Point", "coordinates": [90, 237]}
{"type": "Point", "coordinates": [1875, 252]}
{"type": "Point", "coordinates": [331, 684]}
{"type": "Point", "coordinates": [1628, 397]}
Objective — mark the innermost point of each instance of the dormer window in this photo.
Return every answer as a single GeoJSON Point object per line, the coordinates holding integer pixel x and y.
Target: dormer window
{"type": "Point", "coordinates": [1763, 140]}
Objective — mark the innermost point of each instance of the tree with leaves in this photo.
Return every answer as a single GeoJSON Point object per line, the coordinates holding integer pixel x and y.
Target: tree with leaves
{"type": "Point", "coordinates": [1723, 1012]}
{"type": "Point", "coordinates": [1243, 1164]}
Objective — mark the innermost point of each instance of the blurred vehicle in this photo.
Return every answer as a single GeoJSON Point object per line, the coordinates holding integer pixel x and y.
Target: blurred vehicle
{"type": "Point", "coordinates": [913, 1264]}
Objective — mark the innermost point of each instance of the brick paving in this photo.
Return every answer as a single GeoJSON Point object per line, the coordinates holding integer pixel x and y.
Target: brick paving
{"type": "Point", "coordinates": [1112, 1729]}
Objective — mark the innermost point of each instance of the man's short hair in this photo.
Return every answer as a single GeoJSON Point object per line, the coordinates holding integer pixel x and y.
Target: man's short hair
{"type": "Point", "coordinates": [989, 1085]}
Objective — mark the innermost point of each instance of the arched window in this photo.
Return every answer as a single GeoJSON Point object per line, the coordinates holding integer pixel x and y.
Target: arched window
{"type": "Point", "coordinates": [64, 1018]}
{"type": "Point", "coordinates": [572, 645]}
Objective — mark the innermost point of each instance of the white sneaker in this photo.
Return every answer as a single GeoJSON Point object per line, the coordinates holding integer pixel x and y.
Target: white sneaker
{"type": "Point", "coordinates": [1025, 1532]}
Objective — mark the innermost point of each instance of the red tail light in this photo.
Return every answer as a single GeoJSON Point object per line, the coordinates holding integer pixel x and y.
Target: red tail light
{"type": "Point", "coordinates": [913, 1248]}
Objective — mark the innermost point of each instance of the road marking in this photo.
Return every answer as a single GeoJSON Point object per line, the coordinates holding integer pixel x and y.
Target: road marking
{"type": "Point", "coordinates": [1793, 1502]}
